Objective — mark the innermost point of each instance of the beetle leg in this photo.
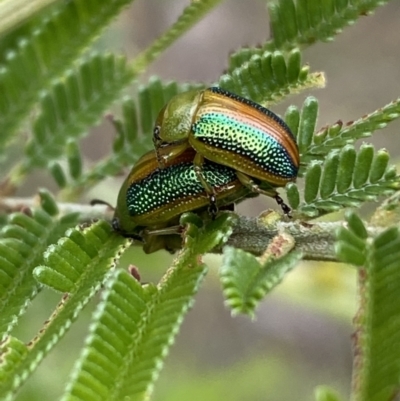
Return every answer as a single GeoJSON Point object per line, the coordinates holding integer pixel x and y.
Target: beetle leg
{"type": "Point", "coordinates": [168, 238]}
{"type": "Point", "coordinates": [253, 186]}
{"type": "Point", "coordinates": [198, 169]}
{"type": "Point", "coordinates": [165, 153]}
{"type": "Point", "coordinates": [164, 231]}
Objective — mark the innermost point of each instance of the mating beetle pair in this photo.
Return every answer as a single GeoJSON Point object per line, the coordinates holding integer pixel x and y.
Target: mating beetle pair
{"type": "Point", "coordinates": [207, 141]}
{"type": "Point", "coordinates": [153, 199]}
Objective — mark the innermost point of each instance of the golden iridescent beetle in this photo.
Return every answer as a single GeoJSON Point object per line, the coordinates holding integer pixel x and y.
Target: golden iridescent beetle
{"type": "Point", "coordinates": [232, 131]}
{"type": "Point", "coordinates": [152, 198]}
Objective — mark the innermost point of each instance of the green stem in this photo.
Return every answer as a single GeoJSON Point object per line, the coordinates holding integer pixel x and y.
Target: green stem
{"type": "Point", "coordinates": [15, 12]}
{"type": "Point", "coordinates": [316, 241]}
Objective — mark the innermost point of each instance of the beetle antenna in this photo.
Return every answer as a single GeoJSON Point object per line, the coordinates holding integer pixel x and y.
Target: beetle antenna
{"type": "Point", "coordinates": [94, 202]}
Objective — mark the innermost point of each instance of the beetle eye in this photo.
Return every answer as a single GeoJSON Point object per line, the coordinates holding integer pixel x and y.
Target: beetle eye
{"type": "Point", "coordinates": [115, 224]}
{"type": "Point", "coordinates": [156, 132]}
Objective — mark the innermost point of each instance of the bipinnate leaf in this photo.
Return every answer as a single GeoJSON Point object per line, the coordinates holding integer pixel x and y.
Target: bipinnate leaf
{"type": "Point", "coordinates": [303, 22]}
{"type": "Point", "coordinates": [246, 280]}
{"type": "Point", "coordinates": [376, 375]}
{"type": "Point", "coordinates": [22, 242]}
{"type": "Point", "coordinates": [48, 48]}
{"type": "Point", "coordinates": [12, 352]}
{"type": "Point", "coordinates": [77, 264]}
{"type": "Point", "coordinates": [346, 178]}
{"type": "Point", "coordinates": [72, 105]}
{"type": "Point", "coordinates": [337, 135]}
{"type": "Point", "coordinates": [296, 24]}
{"type": "Point", "coordinates": [189, 17]}
{"type": "Point", "coordinates": [133, 328]}
{"type": "Point", "coordinates": [270, 76]}
{"type": "Point", "coordinates": [134, 131]}
{"type": "Point", "coordinates": [135, 325]}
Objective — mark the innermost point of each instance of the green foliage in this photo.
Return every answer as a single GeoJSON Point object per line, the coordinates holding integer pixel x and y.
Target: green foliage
{"type": "Point", "coordinates": [335, 174]}
{"type": "Point", "coordinates": [131, 334]}
{"type": "Point", "coordinates": [246, 281]}
{"type": "Point", "coordinates": [39, 53]}
{"type": "Point", "coordinates": [55, 87]}
{"type": "Point", "coordinates": [377, 368]}
{"type": "Point", "coordinates": [346, 178]}
{"type": "Point", "coordinates": [23, 241]}
{"type": "Point", "coordinates": [134, 134]}
{"type": "Point", "coordinates": [300, 23]}
{"type": "Point", "coordinates": [324, 393]}
{"type": "Point", "coordinates": [304, 22]}
{"type": "Point", "coordinates": [135, 325]}
{"type": "Point", "coordinates": [315, 145]}
{"type": "Point", "coordinates": [269, 77]}
{"type": "Point", "coordinates": [191, 14]}
{"type": "Point", "coordinates": [78, 264]}
{"type": "Point", "coordinates": [72, 105]}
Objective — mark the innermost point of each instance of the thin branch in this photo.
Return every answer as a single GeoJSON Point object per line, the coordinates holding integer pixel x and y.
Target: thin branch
{"type": "Point", "coordinates": [14, 12]}
{"type": "Point", "coordinates": [86, 212]}
{"type": "Point", "coordinates": [315, 240]}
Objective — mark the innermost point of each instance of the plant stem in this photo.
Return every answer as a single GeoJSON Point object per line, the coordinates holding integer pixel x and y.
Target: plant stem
{"type": "Point", "coordinates": [315, 240]}
{"type": "Point", "coordinates": [15, 12]}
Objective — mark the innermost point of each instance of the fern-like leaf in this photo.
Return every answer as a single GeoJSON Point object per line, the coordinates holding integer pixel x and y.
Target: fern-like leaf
{"type": "Point", "coordinates": [295, 24]}
{"type": "Point", "coordinates": [246, 281]}
{"type": "Point", "coordinates": [47, 51]}
{"type": "Point", "coordinates": [314, 145]}
{"type": "Point", "coordinates": [22, 242]}
{"type": "Point", "coordinates": [135, 326]}
{"type": "Point", "coordinates": [12, 352]}
{"type": "Point", "coordinates": [72, 105]}
{"type": "Point", "coordinates": [346, 178]}
{"type": "Point", "coordinates": [133, 138]}
{"type": "Point", "coordinates": [190, 15]}
{"type": "Point", "coordinates": [303, 22]}
{"type": "Point", "coordinates": [77, 264]}
{"type": "Point", "coordinates": [133, 329]}
{"type": "Point", "coordinates": [269, 77]}
{"type": "Point", "coordinates": [377, 354]}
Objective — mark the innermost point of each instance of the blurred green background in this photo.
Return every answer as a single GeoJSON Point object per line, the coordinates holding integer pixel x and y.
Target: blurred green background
{"type": "Point", "coordinates": [302, 334]}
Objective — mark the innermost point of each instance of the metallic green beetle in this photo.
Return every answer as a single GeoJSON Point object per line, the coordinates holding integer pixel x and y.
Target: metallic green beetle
{"type": "Point", "coordinates": [152, 198]}
{"type": "Point", "coordinates": [232, 131]}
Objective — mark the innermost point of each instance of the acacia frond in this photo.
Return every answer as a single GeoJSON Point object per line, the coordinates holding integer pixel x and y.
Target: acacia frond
{"type": "Point", "coordinates": [270, 76]}
{"type": "Point", "coordinates": [246, 280]}
{"type": "Point", "coordinates": [296, 24]}
{"type": "Point", "coordinates": [134, 132]}
{"type": "Point", "coordinates": [135, 325]}
{"type": "Point", "coordinates": [315, 145]}
{"type": "Point", "coordinates": [339, 134]}
{"type": "Point", "coordinates": [47, 50]}
{"type": "Point", "coordinates": [22, 242]}
{"type": "Point", "coordinates": [304, 22]}
{"type": "Point", "coordinates": [347, 178]}
{"type": "Point", "coordinates": [78, 264]}
{"type": "Point", "coordinates": [133, 329]}
{"type": "Point", "coordinates": [377, 354]}
{"type": "Point", "coordinates": [72, 105]}
{"type": "Point", "coordinates": [190, 15]}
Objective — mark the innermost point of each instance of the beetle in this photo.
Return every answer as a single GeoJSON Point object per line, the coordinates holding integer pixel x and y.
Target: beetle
{"type": "Point", "coordinates": [232, 131]}
{"type": "Point", "coordinates": [152, 198]}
